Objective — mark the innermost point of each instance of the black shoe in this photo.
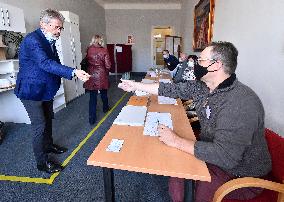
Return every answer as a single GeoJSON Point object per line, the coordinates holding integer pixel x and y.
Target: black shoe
{"type": "Point", "coordinates": [56, 149]}
{"type": "Point", "coordinates": [50, 167]}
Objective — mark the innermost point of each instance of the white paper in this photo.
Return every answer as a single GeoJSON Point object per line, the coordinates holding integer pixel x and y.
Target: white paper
{"type": "Point", "coordinates": [165, 80]}
{"type": "Point", "coordinates": [131, 115]}
{"type": "Point", "coordinates": [118, 49]}
{"type": "Point", "coordinates": [153, 119]}
{"type": "Point", "coordinates": [166, 100]}
{"type": "Point", "coordinates": [115, 145]}
{"type": "Point", "coordinates": [141, 93]}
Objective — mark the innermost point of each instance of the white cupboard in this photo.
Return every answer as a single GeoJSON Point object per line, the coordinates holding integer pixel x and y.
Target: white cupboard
{"type": "Point", "coordinates": [12, 18]}
{"type": "Point", "coordinates": [69, 50]}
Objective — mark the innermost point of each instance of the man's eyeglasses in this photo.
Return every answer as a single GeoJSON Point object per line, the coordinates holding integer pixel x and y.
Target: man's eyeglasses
{"type": "Point", "coordinates": [205, 59]}
{"type": "Point", "coordinates": [57, 27]}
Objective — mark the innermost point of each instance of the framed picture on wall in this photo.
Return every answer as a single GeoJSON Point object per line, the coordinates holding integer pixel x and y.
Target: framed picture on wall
{"type": "Point", "coordinates": [130, 39]}
{"type": "Point", "coordinates": [203, 24]}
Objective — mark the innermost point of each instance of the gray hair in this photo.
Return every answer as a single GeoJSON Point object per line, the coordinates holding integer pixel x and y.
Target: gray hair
{"type": "Point", "coordinates": [227, 53]}
{"type": "Point", "coordinates": [48, 14]}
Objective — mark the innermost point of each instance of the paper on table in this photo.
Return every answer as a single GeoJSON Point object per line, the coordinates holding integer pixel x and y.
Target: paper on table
{"type": "Point", "coordinates": [166, 100]}
{"type": "Point", "coordinates": [153, 119]}
{"type": "Point", "coordinates": [141, 93]}
{"type": "Point", "coordinates": [115, 145]}
{"type": "Point", "coordinates": [131, 115]}
{"type": "Point", "coordinates": [165, 80]}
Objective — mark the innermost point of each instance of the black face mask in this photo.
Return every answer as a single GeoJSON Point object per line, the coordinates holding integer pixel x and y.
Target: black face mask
{"type": "Point", "coordinates": [200, 71]}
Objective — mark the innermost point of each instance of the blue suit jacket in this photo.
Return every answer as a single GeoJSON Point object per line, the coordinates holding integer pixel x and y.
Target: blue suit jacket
{"type": "Point", "coordinates": [40, 70]}
{"type": "Point", "coordinates": [171, 62]}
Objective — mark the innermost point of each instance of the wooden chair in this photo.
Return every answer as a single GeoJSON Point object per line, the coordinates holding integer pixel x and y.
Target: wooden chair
{"type": "Point", "coordinates": [273, 189]}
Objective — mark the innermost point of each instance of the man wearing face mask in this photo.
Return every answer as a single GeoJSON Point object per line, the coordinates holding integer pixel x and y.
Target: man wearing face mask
{"type": "Point", "coordinates": [231, 116]}
{"type": "Point", "coordinates": [170, 60]}
{"type": "Point", "coordinates": [38, 80]}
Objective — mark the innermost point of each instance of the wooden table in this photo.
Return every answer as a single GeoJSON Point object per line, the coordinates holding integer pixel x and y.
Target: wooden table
{"type": "Point", "coordinates": [146, 154]}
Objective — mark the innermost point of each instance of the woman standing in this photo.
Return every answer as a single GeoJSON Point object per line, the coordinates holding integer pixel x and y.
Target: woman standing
{"type": "Point", "coordinates": [98, 67]}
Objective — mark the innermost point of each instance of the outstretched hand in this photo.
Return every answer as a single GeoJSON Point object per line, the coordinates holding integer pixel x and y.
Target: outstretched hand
{"type": "Point", "coordinates": [82, 75]}
{"type": "Point", "coordinates": [127, 85]}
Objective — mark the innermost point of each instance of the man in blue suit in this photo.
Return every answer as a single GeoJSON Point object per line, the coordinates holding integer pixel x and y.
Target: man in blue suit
{"type": "Point", "coordinates": [38, 81]}
{"type": "Point", "coordinates": [170, 60]}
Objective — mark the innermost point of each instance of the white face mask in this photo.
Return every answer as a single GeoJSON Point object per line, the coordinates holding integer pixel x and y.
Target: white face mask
{"type": "Point", "coordinates": [165, 56]}
{"type": "Point", "coordinates": [190, 64]}
{"type": "Point", "coordinates": [50, 37]}
{"type": "Point", "coordinates": [180, 60]}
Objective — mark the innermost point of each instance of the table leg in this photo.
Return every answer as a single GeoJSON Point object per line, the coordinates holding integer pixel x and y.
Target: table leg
{"type": "Point", "coordinates": [189, 190]}
{"type": "Point", "coordinates": [108, 184]}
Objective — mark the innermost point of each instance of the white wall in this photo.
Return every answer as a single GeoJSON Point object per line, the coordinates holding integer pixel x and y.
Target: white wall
{"type": "Point", "coordinates": [256, 28]}
{"type": "Point", "coordinates": [120, 23]}
{"type": "Point", "coordinates": [92, 16]}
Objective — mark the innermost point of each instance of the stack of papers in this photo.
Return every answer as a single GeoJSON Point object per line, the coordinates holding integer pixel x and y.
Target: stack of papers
{"type": "Point", "coordinates": [153, 119]}
{"type": "Point", "coordinates": [166, 100]}
{"type": "Point", "coordinates": [131, 115]}
{"type": "Point", "coordinates": [115, 145]}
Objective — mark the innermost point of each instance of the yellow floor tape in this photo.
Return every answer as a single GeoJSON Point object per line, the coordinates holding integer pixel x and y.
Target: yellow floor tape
{"type": "Point", "coordinates": [67, 160]}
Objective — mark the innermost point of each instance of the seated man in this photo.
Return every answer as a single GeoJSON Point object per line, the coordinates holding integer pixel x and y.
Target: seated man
{"type": "Point", "coordinates": [231, 116]}
{"type": "Point", "coordinates": [170, 60]}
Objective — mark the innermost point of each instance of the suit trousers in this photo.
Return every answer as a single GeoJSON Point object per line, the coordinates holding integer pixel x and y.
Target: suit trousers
{"type": "Point", "coordinates": [93, 103]}
{"type": "Point", "coordinates": [41, 115]}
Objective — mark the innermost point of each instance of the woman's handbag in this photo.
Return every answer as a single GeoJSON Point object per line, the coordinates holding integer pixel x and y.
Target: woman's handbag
{"type": "Point", "coordinates": [84, 64]}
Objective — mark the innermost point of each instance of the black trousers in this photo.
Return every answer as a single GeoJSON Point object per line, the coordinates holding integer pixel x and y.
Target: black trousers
{"type": "Point", "coordinates": [41, 115]}
{"type": "Point", "coordinates": [93, 103]}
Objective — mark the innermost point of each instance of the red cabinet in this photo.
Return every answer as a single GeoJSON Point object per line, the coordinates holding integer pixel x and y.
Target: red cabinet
{"type": "Point", "coordinates": [121, 57]}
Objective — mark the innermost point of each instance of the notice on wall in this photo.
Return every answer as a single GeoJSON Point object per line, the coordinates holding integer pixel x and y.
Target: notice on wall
{"type": "Point", "coordinates": [118, 49]}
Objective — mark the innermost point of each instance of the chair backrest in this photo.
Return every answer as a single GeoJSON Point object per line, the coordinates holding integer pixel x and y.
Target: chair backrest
{"type": "Point", "coordinates": [276, 149]}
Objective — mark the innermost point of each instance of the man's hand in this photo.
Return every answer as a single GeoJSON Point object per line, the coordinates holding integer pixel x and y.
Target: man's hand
{"type": "Point", "coordinates": [171, 139]}
{"type": "Point", "coordinates": [127, 85]}
{"type": "Point", "coordinates": [82, 75]}
{"type": "Point", "coordinates": [167, 136]}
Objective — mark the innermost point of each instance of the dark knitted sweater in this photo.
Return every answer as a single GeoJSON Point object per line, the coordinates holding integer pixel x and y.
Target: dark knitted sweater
{"type": "Point", "coordinates": [232, 125]}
